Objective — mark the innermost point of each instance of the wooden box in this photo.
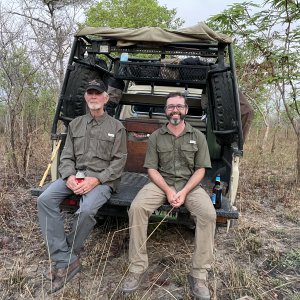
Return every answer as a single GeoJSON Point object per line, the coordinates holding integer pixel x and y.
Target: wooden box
{"type": "Point", "coordinates": [138, 132]}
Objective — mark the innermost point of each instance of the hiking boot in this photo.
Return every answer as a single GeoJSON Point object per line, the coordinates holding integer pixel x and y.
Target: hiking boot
{"type": "Point", "coordinates": [64, 275]}
{"type": "Point", "coordinates": [199, 288]}
{"type": "Point", "coordinates": [50, 274]}
{"type": "Point", "coordinates": [132, 281]}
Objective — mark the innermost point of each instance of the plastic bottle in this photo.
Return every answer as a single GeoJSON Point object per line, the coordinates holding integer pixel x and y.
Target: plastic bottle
{"type": "Point", "coordinates": [124, 57]}
{"type": "Point", "coordinates": [216, 196]}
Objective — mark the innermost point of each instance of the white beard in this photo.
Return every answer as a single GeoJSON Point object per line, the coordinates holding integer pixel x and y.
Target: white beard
{"type": "Point", "coordinates": [94, 106]}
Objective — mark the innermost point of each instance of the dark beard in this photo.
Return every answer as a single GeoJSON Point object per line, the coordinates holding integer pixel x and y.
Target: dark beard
{"type": "Point", "coordinates": [178, 121]}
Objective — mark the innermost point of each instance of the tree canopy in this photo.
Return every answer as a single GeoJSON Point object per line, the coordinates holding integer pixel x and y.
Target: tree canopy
{"type": "Point", "coordinates": [131, 14]}
{"type": "Point", "coordinates": [267, 43]}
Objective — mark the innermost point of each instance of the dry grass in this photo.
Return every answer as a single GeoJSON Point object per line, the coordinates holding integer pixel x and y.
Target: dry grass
{"type": "Point", "coordinates": [259, 257]}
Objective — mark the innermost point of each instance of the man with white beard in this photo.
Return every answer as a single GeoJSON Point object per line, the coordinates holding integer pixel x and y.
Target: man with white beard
{"type": "Point", "coordinates": [96, 146]}
{"type": "Point", "coordinates": [176, 159]}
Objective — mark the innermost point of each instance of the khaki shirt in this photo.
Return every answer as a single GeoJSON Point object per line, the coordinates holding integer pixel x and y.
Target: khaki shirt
{"type": "Point", "coordinates": [97, 146]}
{"type": "Point", "coordinates": [177, 158]}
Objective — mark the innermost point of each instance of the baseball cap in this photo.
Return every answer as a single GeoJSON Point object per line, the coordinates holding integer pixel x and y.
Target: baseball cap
{"type": "Point", "coordinates": [97, 85]}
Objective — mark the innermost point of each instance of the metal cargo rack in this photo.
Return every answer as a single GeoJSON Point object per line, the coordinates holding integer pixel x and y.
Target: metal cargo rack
{"type": "Point", "coordinates": [162, 73]}
{"type": "Point", "coordinates": [145, 64]}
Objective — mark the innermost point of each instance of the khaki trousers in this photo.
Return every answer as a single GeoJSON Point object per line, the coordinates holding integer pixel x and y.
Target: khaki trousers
{"type": "Point", "coordinates": [199, 205]}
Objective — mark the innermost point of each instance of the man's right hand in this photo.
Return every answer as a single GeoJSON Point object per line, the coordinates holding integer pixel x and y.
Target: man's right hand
{"type": "Point", "coordinates": [83, 187]}
{"type": "Point", "coordinates": [171, 196]}
{"type": "Point", "coordinates": [174, 198]}
{"type": "Point", "coordinates": [71, 183]}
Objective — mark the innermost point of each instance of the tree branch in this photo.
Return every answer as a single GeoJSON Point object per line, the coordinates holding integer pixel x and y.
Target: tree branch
{"type": "Point", "coordinates": [27, 17]}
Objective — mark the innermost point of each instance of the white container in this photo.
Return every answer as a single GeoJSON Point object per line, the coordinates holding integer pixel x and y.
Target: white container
{"type": "Point", "coordinates": [124, 57]}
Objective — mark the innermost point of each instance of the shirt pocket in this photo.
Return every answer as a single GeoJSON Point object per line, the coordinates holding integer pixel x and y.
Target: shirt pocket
{"type": "Point", "coordinates": [188, 152]}
{"type": "Point", "coordinates": [78, 141]}
{"type": "Point", "coordinates": [165, 155]}
{"type": "Point", "coordinates": [105, 147]}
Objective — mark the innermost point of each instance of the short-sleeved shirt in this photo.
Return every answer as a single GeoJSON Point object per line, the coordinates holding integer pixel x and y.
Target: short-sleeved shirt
{"type": "Point", "coordinates": [97, 146]}
{"type": "Point", "coordinates": [177, 158]}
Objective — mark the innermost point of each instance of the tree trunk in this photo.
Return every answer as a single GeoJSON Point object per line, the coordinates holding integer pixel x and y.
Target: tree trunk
{"type": "Point", "coordinates": [265, 139]}
{"type": "Point", "coordinates": [298, 157]}
{"type": "Point", "coordinates": [14, 161]}
{"type": "Point", "coordinates": [26, 155]}
{"type": "Point", "coordinates": [257, 135]}
{"type": "Point", "coordinates": [274, 139]}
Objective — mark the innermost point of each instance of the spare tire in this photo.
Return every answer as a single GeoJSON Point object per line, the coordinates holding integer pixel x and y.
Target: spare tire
{"type": "Point", "coordinates": [73, 99]}
{"type": "Point", "coordinates": [222, 106]}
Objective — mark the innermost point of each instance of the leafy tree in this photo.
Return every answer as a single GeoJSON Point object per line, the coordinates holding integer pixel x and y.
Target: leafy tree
{"type": "Point", "coordinates": [20, 88]}
{"type": "Point", "coordinates": [269, 38]}
{"type": "Point", "coordinates": [131, 14]}
{"type": "Point", "coordinates": [50, 24]}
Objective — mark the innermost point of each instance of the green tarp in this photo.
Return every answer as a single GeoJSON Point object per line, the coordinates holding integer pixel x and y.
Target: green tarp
{"type": "Point", "coordinates": [155, 35]}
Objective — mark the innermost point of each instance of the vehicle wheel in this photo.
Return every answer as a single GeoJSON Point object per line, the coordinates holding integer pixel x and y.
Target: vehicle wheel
{"type": "Point", "coordinates": [73, 99]}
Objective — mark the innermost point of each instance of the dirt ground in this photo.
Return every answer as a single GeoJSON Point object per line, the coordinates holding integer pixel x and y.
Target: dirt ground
{"type": "Point", "coordinates": [258, 257]}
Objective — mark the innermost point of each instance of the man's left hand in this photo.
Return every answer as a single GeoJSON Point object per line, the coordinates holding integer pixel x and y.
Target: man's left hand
{"type": "Point", "coordinates": [86, 185]}
{"type": "Point", "coordinates": [178, 199]}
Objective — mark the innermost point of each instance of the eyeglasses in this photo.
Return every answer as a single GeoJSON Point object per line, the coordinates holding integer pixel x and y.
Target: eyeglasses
{"type": "Point", "coordinates": [171, 107]}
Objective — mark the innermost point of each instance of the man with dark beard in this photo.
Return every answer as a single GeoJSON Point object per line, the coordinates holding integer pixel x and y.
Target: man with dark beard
{"type": "Point", "coordinates": [95, 145]}
{"type": "Point", "coordinates": [176, 159]}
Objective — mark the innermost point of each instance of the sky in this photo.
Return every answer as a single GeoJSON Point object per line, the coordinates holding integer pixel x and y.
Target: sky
{"type": "Point", "coordinates": [194, 11]}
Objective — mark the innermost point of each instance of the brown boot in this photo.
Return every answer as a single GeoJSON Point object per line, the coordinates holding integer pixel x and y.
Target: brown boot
{"type": "Point", "coordinates": [199, 288]}
{"type": "Point", "coordinates": [64, 275]}
{"type": "Point", "coordinates": [50, 273]}
{"type": "Point", "coordinates": [132, 281]}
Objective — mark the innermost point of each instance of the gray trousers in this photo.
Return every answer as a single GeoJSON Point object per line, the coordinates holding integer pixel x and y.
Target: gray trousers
{"type": "Point", "coordinates": [63, 249]}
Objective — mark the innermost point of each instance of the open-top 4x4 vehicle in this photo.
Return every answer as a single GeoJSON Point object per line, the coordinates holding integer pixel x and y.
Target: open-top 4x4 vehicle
{"type": "Point", "coordinates": [140, 67]}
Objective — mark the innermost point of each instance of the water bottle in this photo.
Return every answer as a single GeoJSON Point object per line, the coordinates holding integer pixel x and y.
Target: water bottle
{"type": "Point", "coordinates": [124, 57]}
{"type": "Point", "coordinates": [216, 196]}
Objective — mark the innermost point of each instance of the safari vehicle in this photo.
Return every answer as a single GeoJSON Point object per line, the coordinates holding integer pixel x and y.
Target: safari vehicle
{"type": "Point", "coordinates": [140, 67]}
